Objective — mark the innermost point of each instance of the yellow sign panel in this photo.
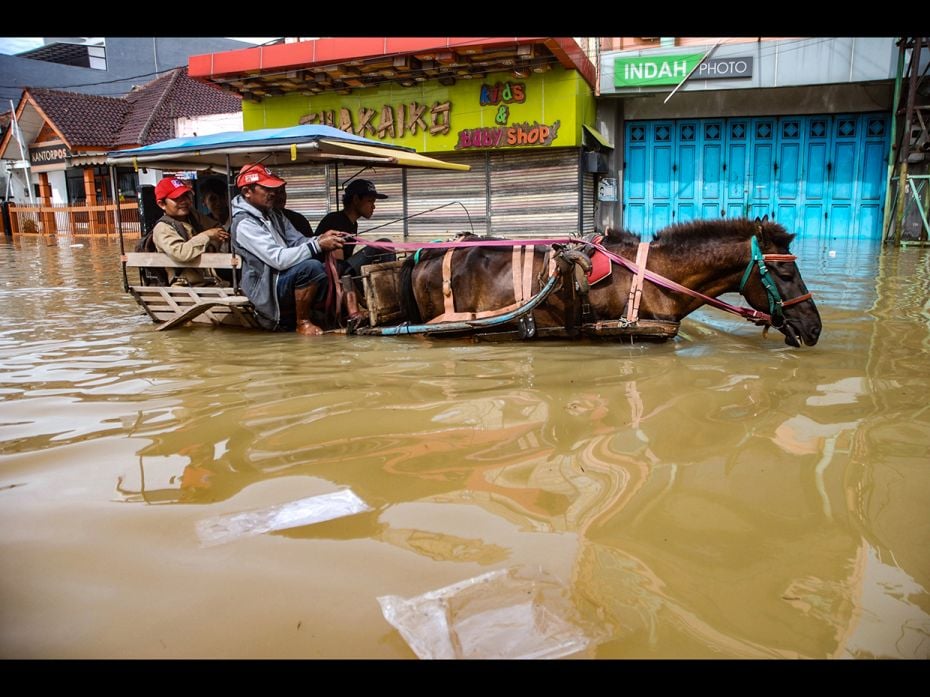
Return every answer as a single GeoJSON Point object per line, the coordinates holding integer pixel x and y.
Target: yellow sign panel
{"type": "Point", "coordinates": [497, 111]}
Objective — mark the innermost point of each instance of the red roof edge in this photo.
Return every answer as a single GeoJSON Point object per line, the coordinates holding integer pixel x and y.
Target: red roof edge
{"type": "Point", "coordinates": [571, 56]}
{"type": "Point", "coordinates": [302, 54]}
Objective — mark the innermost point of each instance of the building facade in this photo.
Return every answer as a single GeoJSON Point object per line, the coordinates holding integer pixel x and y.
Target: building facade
{"type": "Point", "coordinates": [515, 110]}
{"type": "Point", "coordinates": [798, 129]}
{"type": "Point", "coordinates": [109, 66]}
{"type": "Point", "coordinates": [64, 137]}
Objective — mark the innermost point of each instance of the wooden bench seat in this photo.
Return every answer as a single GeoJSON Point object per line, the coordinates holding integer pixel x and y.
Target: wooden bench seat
{"type": "Point", "coordinates": [174, 306]}
{"type": "Point", "coordinates": [207, 260]}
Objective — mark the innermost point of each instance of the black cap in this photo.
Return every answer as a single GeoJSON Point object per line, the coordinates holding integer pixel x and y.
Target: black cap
{"type": "Point", "coordinates": [363, 187]}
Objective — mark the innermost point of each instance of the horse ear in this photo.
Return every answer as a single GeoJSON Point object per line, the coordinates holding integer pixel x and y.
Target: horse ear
{"type": "Point", "coordinates": [765, 218]}
{"type": "Point", "coordinates": [760, 231]}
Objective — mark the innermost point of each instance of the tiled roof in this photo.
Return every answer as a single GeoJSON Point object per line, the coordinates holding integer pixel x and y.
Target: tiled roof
{"type": "Point", "coordinates": [156, 105]}
{"type": "Point", "coordinates": [146, 115]}
{"type": "Point", "coordinates": [83, 119]}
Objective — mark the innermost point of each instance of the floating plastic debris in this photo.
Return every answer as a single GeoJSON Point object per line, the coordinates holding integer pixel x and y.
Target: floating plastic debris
{"type": "Point", "coordinates": [508, 613]}
{"type": "Point", "coordinates": [315, 509]}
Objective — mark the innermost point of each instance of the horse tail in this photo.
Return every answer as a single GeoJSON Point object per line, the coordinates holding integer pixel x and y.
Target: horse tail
{"type": "Point", "coordinates": [408, 302]}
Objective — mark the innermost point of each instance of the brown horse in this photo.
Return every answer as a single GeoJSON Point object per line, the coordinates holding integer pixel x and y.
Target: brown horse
{"type": "Point", "coordinates": [712, 257]}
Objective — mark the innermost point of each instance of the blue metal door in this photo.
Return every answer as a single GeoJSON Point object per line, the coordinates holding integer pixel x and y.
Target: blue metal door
{"type": "Point", "coordinates": [813, 174]}
{"type": "Point", "coordinates": [736, 173]}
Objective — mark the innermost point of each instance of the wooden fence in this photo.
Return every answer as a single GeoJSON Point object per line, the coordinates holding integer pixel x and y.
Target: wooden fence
{"type": "Point", "coordinates": [98, 220]}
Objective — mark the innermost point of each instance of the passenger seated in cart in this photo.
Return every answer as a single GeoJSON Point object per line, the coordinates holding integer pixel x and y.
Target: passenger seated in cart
{"type": "Point", "coordinates": [216, 199]}
{"type": "Point", "coordinates": [300, 223]}
{"type": "Point", "coordinates": [358, 201]}
{"type": "Point", "coordinates": [184, 233]}
{"type": "Point", "coordinates": [282, 271]}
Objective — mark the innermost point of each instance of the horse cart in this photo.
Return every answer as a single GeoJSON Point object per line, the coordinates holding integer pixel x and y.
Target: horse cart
{"type": "Point", "coordinates": [610, 285]}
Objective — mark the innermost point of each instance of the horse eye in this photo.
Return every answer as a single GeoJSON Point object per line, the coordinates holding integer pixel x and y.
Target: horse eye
{"type": "Point", "coordinates": [784, 271]}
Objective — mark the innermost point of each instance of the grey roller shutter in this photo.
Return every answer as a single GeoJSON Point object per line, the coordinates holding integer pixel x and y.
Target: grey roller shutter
{"type": "Point", "coordinates": [534, 193]}
{"type": "Point", "coordinates": [466, 192]}
{"type": "Point", "coordinates": [306, 190]}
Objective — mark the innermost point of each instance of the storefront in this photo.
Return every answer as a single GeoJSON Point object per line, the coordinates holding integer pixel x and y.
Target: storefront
{"type": "Point", "coordinates": [64, 188]}
{"type": "Point", "coordinates": [58, 142]}
{"type": "Point", "coordinates": [65, 165]}
{"type": "Point", "coordinates": [521, 131]}
{"type": "Point", "coordinates": [798, 130]}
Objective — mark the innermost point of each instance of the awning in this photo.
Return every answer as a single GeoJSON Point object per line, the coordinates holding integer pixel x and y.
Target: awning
{"type": "Point", "coordinates": [88, 159]}
{"type": "Point", "coordinates": [594, 133]}
{"type": "Point", "coordinates": [274, 147]}
{"type": "Point", "coordinates": [403, 159]}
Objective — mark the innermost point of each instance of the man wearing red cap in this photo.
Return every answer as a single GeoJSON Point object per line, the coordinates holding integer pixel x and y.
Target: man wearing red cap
{"type": "Point", "coordinates": [282, 271]}
{"type": "Point", "coordinates": [184, 233]}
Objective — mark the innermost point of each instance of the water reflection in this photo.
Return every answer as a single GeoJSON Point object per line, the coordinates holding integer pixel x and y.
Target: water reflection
{"type": "Point", "coordinates": [721, 495]}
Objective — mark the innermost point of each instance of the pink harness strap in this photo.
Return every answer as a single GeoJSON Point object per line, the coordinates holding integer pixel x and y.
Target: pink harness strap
{"type": "Point", "coordinates": [636, 286]}
{"type": "Point", "coordinates": [522, 275]}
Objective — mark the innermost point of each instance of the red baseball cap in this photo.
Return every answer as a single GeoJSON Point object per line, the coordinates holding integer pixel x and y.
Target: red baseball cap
{"type": "Point", "coordinates": [258, 174]}
{"type": "Point", "coordinates": [170, 187]}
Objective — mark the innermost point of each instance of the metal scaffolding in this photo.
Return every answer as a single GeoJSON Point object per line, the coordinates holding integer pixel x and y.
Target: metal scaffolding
{"type": "Point", "coordinates": [908, 191]}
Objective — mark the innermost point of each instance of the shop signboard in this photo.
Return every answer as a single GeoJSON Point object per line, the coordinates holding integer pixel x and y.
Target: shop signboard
{"type": "Point", "coordinates": [494, 111]}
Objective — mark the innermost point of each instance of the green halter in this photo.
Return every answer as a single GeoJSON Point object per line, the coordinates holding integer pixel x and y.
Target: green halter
{"type": "Point", "coordinates": [775, 302]}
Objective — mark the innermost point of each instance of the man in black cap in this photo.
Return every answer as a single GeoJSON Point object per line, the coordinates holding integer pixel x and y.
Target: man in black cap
{"type": "Point", "coordinates": [358, 201]}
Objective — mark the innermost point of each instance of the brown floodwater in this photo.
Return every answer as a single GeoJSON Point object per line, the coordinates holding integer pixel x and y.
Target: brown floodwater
{"type": "Point", "coordinates": [719, 495]}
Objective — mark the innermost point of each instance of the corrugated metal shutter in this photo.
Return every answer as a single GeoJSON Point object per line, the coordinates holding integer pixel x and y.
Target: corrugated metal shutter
{"type": "Point", "coordinates": [307, 187]}
{"type": "Point", "coordinates": [428, 189]}
{"type": "Point", "coordinates": [589, 202]}
{"type": "Point", "coordinates": [534, 193]}
{"type": "Point", "coordinates": [306, 190]}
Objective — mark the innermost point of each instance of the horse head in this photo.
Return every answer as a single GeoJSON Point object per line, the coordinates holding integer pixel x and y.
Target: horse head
{"type": "Point", "coordinates": [772, 283]}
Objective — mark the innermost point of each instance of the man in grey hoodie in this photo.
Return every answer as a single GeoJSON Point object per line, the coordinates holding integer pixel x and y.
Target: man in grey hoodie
{"type": "Point", "coordinates": [282, 272]}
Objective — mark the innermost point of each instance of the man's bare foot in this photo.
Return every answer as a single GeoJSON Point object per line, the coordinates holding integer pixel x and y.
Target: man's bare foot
{"type": "Point", "coordinates": [308, 328]}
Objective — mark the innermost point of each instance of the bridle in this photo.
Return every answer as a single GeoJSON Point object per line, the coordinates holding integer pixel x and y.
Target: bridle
{"type": "Point", "coordinates": [776, 304]}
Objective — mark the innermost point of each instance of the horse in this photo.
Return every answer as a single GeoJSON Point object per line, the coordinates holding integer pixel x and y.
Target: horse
{"type": "Point", "coordinates": [711, 257]}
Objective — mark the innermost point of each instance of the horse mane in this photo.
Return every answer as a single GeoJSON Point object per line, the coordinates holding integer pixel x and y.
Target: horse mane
{"type": "Point", "coordinates": [623, 236]}
{"type": "Point", "coordinates": [698, 234]}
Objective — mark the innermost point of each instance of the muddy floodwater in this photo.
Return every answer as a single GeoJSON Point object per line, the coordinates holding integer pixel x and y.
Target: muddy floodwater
{"type": "Point", "coordinates": [173, 494]}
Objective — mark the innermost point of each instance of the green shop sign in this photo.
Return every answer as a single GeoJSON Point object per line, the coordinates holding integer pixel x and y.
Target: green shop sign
{"type": "Point", "coordinates": [654, 70]}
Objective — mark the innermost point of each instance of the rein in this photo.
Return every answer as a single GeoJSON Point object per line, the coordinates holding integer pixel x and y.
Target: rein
{"type": "Point", "coordinates": [663, 282]}
{"type": "Point", "coordinates": [776, 304]}
{"type": "Point", "coordinates": [413, 246]}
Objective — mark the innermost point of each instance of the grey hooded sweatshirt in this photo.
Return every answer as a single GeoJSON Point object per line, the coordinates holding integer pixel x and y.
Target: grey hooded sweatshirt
{"type": "Point", "coordinates": [268, 244]}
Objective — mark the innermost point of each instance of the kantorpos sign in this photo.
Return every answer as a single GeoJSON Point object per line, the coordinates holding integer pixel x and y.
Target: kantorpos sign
{"type": "Point", "coordinates": [49, 157]}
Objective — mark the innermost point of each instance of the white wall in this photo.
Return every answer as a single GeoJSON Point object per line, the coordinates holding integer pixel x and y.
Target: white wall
{"type": "Point", "coordinates": [206, 125]}
{"type": "Point", "coordinates": [149, 176]}
{"type": "Point", "coordinates": [59, 186]}
{"type": "Point", "coordinates": [19, 191]}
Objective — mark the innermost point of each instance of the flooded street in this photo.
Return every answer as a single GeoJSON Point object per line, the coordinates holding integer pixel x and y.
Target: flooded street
{"type": "Point", "coordinates": [720, 495]}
